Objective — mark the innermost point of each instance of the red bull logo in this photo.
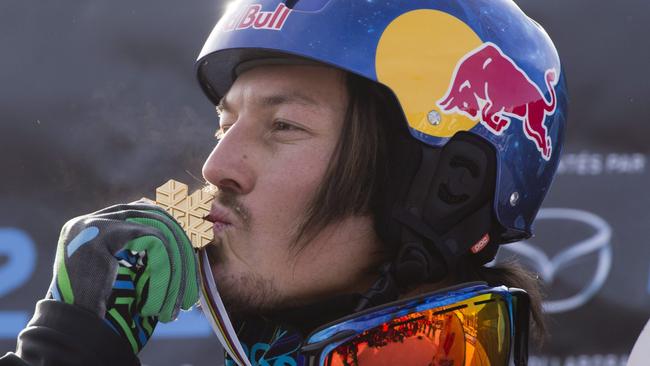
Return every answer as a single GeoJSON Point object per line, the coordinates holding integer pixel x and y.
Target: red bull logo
{"type": "Point", "coordinates": [253, 17]}
{"type": "Point", "coordinates": [487, 85]}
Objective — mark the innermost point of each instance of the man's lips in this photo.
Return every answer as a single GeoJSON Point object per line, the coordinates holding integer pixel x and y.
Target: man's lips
{"type": "Point", "coordinates": [220, 217]}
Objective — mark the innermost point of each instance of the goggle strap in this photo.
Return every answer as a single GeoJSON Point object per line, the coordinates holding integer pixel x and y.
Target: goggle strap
{"type": "Point", "coordinates": [448, 248]}
{"type": "Point", "coordinates": [313, 351]}
{"type": "Point", "coordinates": [415, 264]}
{"type": "Point", "coordinates": [521, 324]}
{"type": "Point", "coordinates": [383, 290]}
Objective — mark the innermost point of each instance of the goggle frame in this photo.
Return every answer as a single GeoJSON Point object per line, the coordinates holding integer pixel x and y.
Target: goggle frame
{"type": "Point", "coordinates": [322, 341]}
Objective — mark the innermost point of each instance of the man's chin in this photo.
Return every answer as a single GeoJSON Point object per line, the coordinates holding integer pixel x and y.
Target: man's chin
{"type": "Point", "coordinates": [245, 293]}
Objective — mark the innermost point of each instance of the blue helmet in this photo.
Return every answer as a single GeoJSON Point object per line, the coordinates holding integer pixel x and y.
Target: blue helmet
{"type": "Point", "coordinates": [479, 68]}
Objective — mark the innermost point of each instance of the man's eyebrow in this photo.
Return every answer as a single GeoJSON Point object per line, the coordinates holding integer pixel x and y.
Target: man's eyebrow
{"type": "Point", "coordinates": [287, 98]}
{"type": "Point", "coordinates": [222, 106]}
{"type": "Point", "coordinates": [275, 100]}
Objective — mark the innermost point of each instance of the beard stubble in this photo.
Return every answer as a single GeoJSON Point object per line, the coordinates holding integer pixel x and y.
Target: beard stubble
{"type": "Point", "coordinates": [243, 293]}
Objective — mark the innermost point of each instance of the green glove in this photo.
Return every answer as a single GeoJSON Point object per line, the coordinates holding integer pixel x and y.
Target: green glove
{"type": "Point", "coordinates": [131, 264]}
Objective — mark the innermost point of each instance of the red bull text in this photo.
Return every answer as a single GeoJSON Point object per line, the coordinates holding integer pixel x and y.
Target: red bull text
{"type": "Point", "coordinates": [489, 86]}
{"type": "Point", "coordinates": [253, 17]}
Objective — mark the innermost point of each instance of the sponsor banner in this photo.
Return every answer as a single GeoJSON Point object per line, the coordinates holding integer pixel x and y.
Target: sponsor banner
{"type": "Point", "coordinates": [588, 251]}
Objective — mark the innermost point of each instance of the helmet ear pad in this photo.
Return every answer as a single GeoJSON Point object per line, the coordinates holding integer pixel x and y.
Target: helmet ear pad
{"type": "Point", "coordinates": [464, 181]}
{"type": "Point", "coordinates": [439, 197]}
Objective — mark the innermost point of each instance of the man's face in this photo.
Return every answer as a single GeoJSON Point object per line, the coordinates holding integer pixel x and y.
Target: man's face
{"type": "Point", "coordinates": [281, 124]}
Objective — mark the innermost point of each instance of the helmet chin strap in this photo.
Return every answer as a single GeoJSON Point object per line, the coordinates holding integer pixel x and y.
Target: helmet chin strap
{"type": "Point", "coordinates": [444, 217]}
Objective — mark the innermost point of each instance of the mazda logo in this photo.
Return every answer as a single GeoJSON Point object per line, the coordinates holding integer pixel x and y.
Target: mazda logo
{"type": "Point", "coordinates": [548, 268]}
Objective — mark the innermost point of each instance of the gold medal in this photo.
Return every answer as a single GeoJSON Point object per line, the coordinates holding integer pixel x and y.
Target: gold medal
{"type": "Point", "coordinates": [188, 210]}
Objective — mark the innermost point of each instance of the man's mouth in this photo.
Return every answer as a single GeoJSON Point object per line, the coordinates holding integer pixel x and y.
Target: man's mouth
{"type": "Point", "coordinates": [220, 219]}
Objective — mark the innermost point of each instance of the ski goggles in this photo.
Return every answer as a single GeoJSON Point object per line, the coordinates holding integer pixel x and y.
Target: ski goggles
{"type": "Point", "coordinates": [468, 325]}
{"type": "Point", "coordinates": [473, 325]}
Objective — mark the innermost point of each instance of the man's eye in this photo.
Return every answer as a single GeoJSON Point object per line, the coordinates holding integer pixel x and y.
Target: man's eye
{"type": "Point", "coordinates": [284, 126]}
{"type": "Point", "coordinates": [221, 131]}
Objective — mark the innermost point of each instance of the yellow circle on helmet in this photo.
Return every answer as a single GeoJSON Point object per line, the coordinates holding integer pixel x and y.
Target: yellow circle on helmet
{"type": "Point", "coordinates": [416, 57]}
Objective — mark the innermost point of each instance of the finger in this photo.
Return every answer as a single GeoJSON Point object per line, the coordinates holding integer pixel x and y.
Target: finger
{"type": "Point", "coordinates": [109, 231]}
{"type": "Point", "coordinates": [164, 226]}
{"type": "Point", "coordinates": [153, 286]}
{"type": "Point", "coordinates": [169, 303]}
{"type": "Point", "coordinates": [188, 290]}
{"type": "Point", "coordinates": [132, 207]}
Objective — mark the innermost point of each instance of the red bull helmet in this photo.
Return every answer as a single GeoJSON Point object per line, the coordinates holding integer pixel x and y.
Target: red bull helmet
{"type": "Point", "coordinates": [479, 69]}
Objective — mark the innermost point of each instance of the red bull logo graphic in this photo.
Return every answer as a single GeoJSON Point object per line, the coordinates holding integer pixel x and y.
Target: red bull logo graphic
{"type": "Point", "coordinates": [253, 17]}
{"type": "Point", "coordinates": [487, 85]}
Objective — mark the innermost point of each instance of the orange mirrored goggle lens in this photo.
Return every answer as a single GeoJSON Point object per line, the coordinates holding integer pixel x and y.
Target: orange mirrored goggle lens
{"type": "Point", "coordinates": [474, 332]}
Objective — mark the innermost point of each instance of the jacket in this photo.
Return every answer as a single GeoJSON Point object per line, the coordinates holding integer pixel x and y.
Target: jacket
{"type": "Point", "coordinates": [63, 334]}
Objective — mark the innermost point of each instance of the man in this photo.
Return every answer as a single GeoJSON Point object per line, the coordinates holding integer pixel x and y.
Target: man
{"type": "Point", "coordinates": [369, 152]}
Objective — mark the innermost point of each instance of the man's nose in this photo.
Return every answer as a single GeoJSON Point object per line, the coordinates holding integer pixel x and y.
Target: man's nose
{"type": "Point", "coordinates": [229, 166]}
